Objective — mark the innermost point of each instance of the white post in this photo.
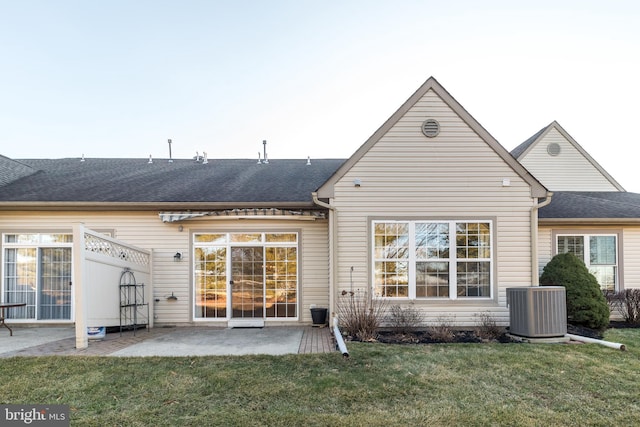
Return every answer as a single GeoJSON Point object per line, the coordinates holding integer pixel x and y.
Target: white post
{"type": "Point", "coordinates": [82, 340]}
{"type": "Point", "coordinates": [149, 290]}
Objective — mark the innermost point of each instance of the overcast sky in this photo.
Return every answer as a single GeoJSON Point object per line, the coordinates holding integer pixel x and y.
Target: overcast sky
{"type": "Point", "coordinates": [314, 78]}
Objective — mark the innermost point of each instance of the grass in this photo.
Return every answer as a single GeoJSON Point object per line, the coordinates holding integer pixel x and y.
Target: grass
{"type": "Point", "coordinates": [380, 385]}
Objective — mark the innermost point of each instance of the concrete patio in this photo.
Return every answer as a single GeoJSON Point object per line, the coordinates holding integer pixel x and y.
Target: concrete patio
{"type": "Point", "coordinates": [177, 341]}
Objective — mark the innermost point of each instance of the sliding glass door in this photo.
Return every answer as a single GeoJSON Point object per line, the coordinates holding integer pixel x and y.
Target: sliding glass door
{"type": "Point", "coordinates": [37, 271]}
{"type": "Point", "coordinates": [245, 275]}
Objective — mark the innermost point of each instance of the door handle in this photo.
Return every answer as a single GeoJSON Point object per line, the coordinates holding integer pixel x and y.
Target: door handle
{"type": "Point", "coordinates": [231, 282]}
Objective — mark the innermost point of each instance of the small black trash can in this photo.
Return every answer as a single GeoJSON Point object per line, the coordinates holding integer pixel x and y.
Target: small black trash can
{"type": "Point", "coordinates": [319, 316]}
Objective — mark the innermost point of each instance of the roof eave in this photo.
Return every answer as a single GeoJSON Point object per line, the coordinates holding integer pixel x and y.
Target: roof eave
{"type": "Point", "coordinates": [147, 206]}
{"type": "Point", "coordinates": [588, 221]}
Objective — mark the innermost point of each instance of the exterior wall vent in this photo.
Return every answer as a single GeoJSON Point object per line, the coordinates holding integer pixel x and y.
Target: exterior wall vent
{"type": "Point", "coordinates": [537, 311]}
{"type": "Point", "coordinates": [553, 149]}
{"type": "Point", "coordinates": [430, 128]}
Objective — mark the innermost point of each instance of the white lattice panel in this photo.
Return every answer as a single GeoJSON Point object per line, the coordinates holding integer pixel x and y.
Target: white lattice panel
{"type": "Point", "coordinates": [96, 244]}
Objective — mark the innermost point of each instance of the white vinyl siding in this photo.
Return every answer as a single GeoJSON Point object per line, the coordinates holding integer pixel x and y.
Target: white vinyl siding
{"type": "Point", "coordinates": [455, 175]}
{"type": "Point", "coordinates": [145, 230]}
{"type": "Point", "coordinates": [545, 248]}
{"type": "Point", "coordinates": [630, 258]}
{"type": "Point", "coordinates": [568, 171]}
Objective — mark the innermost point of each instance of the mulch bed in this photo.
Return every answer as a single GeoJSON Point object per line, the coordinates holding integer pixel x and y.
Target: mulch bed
{"type": "Point", "coordinates": [597, 333]}
{"type": "Point", "coordinates": [583, 331]}
{"type": "Point", "coordinates": [423, 337]}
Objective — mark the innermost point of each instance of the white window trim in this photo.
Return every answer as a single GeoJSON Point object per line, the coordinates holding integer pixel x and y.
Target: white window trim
{"type": "Point", "coordinates": [587, 250]}
{"type": "Point", "coordinates": [452, 260]}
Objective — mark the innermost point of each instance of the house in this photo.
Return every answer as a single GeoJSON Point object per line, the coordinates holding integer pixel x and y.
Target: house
{"type": "Point", "coordinates": [211, 227]}
{"type": "Point", "coordinates": [590, 214]}
{"type": "Point", "coordinates": [431, 211]}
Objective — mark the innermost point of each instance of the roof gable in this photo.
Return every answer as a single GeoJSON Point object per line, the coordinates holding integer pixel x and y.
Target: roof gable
{"type": "Point", "coordinates": [553, 173]}
{"type": "Point", "coordinates": [537, 189]}
{"type": "Point", "coordinates": [521, 149]}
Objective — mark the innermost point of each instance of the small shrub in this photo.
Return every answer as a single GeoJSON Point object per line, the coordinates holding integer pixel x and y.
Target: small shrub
{"type": "Point", "coordinates": [405, 320]}
{"type": "Point", "coordinates": [442, 330]}
{"type": "Point", "coordinates": [486, 327]}
{"type": "Point", "coordinates": [586, 305]}
{"type": "Point", "coordinates": [360, 315]}
{"type": "Point", "coordinates": [626, 303]}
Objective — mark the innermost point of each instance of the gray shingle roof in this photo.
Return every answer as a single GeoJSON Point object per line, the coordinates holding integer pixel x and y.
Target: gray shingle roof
{"type": "Point", "coordinates": [11, 170]}
{"type": "Point", "coordinates": [135, 180]}
{"type": "Point", "coordinates": [595, 205]}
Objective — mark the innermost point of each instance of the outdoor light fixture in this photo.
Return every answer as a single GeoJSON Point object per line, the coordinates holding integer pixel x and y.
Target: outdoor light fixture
{"type": "Point", "coordinates": [177, 257]}
{"type": "Point", "coordinates": [172, 297]}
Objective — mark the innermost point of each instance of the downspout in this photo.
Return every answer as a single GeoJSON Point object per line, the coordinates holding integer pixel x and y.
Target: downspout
{"type": "Point", "coordinates": [331, 208]}
{"type": "Point", "coordinates": [579, 338]}
{"type": "Point", "coordinates": [534, 238]}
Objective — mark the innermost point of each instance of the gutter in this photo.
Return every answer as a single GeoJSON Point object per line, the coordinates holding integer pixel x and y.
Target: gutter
{"type": "Point", "coordinates": [534, 238]}
{"type": "Point", "coordinates": [143, 206]}
{"type": "Point", "coordinates": [319, 202]}
{"type": "Point", "coordinates": [589, 221]}
{"type": "Point", "coordinates": [332, 258]}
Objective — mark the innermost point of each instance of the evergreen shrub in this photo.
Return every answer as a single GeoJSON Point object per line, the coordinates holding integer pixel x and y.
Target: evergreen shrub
{"type": "Point", "coordinates": [586, 304]}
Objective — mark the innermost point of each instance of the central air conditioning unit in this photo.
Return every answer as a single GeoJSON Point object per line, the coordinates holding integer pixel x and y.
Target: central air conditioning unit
{"type": "Point", "coordinates": [537, 311]}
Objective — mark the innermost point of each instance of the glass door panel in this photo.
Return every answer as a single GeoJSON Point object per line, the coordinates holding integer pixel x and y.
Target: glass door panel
{"type": "Point", "coordinates": [282, 282]}
{"type": "Point", "coordinates": [211, 282]}
{"type": "Point", "coordinates": [20, 282]}
{"type": "Point", "coordinates": [55, 284]}
{"type": "Point", "coordinates": [247, 282]}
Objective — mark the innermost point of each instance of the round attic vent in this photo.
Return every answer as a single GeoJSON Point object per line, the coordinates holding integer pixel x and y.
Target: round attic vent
{"type": "Point", "coordinates": [430, 128]}
{"type": "Point", "coordinates": [553, 149]}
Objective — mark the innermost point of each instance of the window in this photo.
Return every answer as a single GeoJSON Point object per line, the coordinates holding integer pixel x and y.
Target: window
{"type": "Point", "coordinates": [598, 252]}
{"type": "Point", "coordinates": [37, 271]}
{"type": "Point", "coordinates": [432, 259]}
{"type": "Point", "coordinates": [246, 275]}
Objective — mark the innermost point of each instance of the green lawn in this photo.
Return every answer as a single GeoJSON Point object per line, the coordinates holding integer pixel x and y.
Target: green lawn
{"type": "Point", "coordinates": [380, 385]}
